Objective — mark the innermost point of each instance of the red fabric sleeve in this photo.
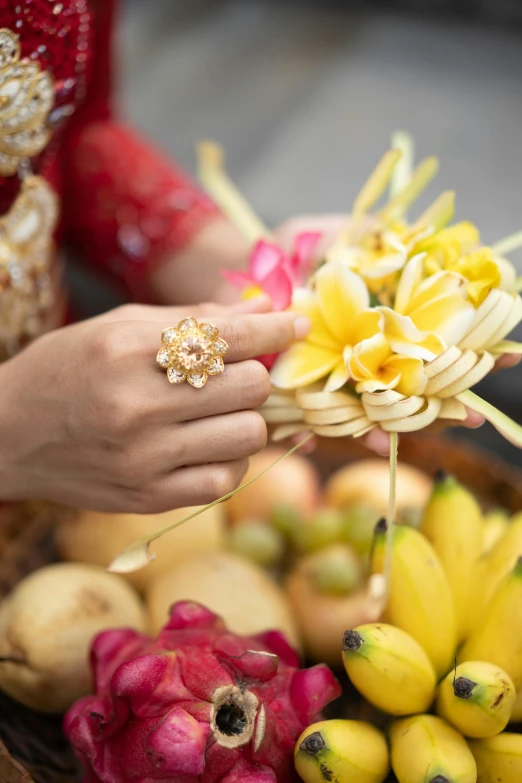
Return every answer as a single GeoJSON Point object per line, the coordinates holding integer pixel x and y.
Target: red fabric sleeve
{"type": "Point", "coordinates": [126, 206]}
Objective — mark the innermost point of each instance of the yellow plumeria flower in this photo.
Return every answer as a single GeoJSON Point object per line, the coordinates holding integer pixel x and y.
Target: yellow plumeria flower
{"type": "Point", "coordinates": [338, 307]}
{"type": "Point", "coordinates": [445, 247]}
{"type": "Point", "coordinates": [437, 304]}
{"type": "Point", "coordinates": [480, 270]}
{"type": "Point", "coordinates": [378, 257]}
{"type": "Point", "coordinates": [376, 368]}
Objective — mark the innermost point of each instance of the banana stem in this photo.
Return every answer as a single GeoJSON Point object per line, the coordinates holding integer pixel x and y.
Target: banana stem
{"type": "Point", "coordinates": [390, 522]}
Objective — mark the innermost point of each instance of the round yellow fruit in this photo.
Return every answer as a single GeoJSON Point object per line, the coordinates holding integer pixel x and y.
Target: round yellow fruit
{"type": "Point", "coordinates": [348, 751]}
{"type": "Point", "coordinates": [242, 593]}
{"type": "Point", "coordinates": [477, 698]}
{"type": "Point", "coordinates": [97, 538]}
{"type": "Point", "coordinates": [321, 618]}
{"type": "Point", "coordinates": [389, 668]}
{"type": "Point", "coordinates": [292, 483]}
{"type": "Point", "coordinates": [368, 482]}
{"type": "Point", "coordinates": [47, 625]}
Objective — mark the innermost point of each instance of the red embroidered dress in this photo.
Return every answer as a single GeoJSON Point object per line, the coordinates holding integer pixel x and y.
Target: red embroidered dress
{"type": "Point", "coordinates": [120, 202]}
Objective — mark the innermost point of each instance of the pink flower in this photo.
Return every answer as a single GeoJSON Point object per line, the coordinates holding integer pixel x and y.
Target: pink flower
{"type": "Point", "coordinates": [275, 273]}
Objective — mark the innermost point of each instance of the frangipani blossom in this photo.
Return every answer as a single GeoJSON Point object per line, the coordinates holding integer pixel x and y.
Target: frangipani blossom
{"type": "Point", "coordinates": [437, 304]}
{"type": "Point", "coordinates": [339, 309]}
{"type": "Point", "coordinates": [444, 247]}
{"type": "Point", "coordinates": [481, 271]}
{"type": "Point", "coordinates": [375, 367]}
{"type": "Point", "coordinates": [471, 312]}
{"type": "Point", "coordinates": [378, 257]}
{"type": "Point", "coordinates": [274, 272]}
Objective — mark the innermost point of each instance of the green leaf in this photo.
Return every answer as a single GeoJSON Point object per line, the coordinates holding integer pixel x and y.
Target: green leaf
{"type": "Point", "coordinates": [508, 428]}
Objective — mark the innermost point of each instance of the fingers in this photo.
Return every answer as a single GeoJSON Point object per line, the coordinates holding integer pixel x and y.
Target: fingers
{"type": "Point", "coordinates": [173, 315]}
{"type": "Point", "coordinates": [307, 446]}
{"type": "Point", "coordinates": [243, 386]}
{"type": "Point", "coordinates": [507, 361]}
{"type": "Point", "coordinates": [473, 420]}
{"type": "Point", "coordinates": [233, 436]}
{"type": "Point", "coordinates": [250, 336]}
{"type": "Point", "coordinates": [259, 304]}
{"type": "Point", "coordinates": [378, 441]}
{"type": "Point", "coordinates": [195, 486]}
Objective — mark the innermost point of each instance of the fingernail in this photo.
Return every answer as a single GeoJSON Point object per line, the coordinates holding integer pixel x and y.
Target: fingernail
{"type": "Point", "coordinates": [302, 327]}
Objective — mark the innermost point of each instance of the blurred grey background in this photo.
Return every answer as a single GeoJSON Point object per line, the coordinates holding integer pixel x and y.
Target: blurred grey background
{"type": "Point", "coordinates": [305, 94]}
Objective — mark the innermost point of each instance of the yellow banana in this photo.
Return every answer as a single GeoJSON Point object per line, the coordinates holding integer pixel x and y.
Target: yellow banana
{"type": "Point", "coordinates": [419, 600]}
{"type": "Point", "coordinates": [389, 668]}
{"type": "Point", "coordinates": [477, 699]}
{"type": "Point", "coordinates": [452, 522]}
{"type": "Point", "coordinates": [426, 749]}
{"type": "Point", "coordinates": [498, 759]}
{"type": "Point", "coordinates": [502, 558]}
{"type": "Point", "coordinates": [494, 525]}
{"type": "Point", "coordinates": [342, 751]}
{"type": "Point", "coordinates": [498, 638]}
{"type": "Point", "coordinates": [516, 712]}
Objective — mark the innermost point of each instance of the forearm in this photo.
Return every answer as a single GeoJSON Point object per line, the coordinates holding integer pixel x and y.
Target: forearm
{"type": "Point", "coordinates": [194, 273]}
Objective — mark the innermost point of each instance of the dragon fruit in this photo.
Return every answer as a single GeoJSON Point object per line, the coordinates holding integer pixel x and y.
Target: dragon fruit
{"type": "Point", "coordinates": [198, 704]}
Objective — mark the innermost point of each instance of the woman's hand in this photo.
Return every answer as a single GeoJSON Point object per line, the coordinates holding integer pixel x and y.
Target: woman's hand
{"type": "Point", "coordinates": [88, 419]}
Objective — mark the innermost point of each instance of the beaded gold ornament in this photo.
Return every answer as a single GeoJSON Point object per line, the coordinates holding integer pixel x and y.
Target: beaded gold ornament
{"type": "Point", "coordinates": [26, 99]}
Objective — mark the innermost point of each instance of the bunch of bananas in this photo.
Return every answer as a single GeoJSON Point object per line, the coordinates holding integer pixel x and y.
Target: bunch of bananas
{"type": "Point", "coordinates": [445, 662]}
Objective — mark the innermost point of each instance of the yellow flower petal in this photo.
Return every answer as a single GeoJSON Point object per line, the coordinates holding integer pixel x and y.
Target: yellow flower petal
{"type": "Point", "coordinates": [306, 302]}
{"type": "Point", "coordinates": [413, 378]}
{"type": "Point", "coordinates": [481, 271]}
{"type": "Point", "coordinates": [436, 286]}
{"type": "Point", "coordinates": [342, 295]}
{"type": "Point", "coordinates": [367, 323]}
{"type": "Point", "coordinates": [388, 379]}
{"type": "Point", "coordinates": [338, 377]}
{"type": "Point", "coordinates": [410, 279]}
{"type": "Point", "coordinates": [368, 357]}
{"type": "Point", "coordinates": [404, 337]}
{"type": "Point", "coordinates": [449, 317]}
{"type": "Point", "coordinates": [464, 236]}
{"type": "Point", "coordinates": [303, 364]}
{"type": "Point", "coordinates": [374, 269]}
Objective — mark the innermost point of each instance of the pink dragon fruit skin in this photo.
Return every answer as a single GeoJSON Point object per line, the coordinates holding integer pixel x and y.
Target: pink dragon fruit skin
{"type": "Point", "coordinates": [198, 704]}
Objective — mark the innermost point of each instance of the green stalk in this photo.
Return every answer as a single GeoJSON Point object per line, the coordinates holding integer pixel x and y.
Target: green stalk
{"type": "Point", "coordinates": [390, 521]}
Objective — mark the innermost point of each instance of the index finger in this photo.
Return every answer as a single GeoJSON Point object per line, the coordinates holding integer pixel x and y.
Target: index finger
{"type": "Point", "coordinates": [250, 336]}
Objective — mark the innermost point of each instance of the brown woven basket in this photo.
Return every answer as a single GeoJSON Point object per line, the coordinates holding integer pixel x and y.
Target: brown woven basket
{"type": "Point", "coordinates": [32, 746]}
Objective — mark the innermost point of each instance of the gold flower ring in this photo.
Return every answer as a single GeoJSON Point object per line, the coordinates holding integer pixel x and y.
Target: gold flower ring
{"type": "Point", "coordinates": [191, 352]}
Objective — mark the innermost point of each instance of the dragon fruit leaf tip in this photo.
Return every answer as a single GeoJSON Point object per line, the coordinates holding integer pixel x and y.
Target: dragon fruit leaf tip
{"type": "Point", "coordinates": [198, 703]}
